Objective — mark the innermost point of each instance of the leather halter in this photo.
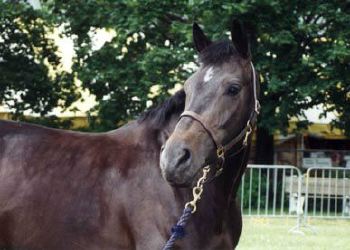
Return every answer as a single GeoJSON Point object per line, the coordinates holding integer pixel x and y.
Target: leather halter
{"type": "Point", "coordinates": [245, 132]}
{"type": "Point", "coordinates": [190, 207]}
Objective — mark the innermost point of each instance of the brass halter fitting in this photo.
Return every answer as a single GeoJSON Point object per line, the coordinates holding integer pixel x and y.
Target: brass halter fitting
{"type": "Point", "coordinates": [220, 152]}
{"type": "Point", "coordinates": [247, 133]}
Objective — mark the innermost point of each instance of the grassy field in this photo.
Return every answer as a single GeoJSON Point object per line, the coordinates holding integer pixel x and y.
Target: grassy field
{"type": "Point", "coordinates": [272, 234]}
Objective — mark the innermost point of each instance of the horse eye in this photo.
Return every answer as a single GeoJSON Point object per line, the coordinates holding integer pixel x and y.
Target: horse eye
{"type": "Point", "coordinates": [233, 89]}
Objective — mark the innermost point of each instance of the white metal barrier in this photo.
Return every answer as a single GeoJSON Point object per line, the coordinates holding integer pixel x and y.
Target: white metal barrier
{"type": "Point", "coordinates": [283, 191]}
{"type": "Point", "coordinates": [327, 193]}
{"type": "Point", "coordinates": [272, 191]}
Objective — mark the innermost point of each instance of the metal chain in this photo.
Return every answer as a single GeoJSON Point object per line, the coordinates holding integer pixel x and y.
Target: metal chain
{"type": "Point", "coordinates": [198, 190]}
{"type": "Point", "coordinates": [178, 231]}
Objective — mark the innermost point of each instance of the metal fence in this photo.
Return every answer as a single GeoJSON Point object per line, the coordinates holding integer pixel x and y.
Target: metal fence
{"type": "Point", "coordinates": [327, 193]}
{"type": "Point", "coordinates": [284, 191]}
{"type": "Point", "coordinates": [265, 190]}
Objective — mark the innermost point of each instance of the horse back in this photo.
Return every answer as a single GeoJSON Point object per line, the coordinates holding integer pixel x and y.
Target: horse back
{"type": "Point", "coordinates": [57, 187]}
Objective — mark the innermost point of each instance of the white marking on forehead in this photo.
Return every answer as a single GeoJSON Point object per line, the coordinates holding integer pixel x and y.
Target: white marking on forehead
{"type": "Point", "coordinates": [209, 74]}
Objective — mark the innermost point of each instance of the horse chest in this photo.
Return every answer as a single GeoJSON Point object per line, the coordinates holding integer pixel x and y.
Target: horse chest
{"type": "Point", "coordinates": [151, 221]}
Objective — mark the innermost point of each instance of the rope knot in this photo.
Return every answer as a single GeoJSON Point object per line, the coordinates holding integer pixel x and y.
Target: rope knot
{"type": "Point", "coordinates": [178, 231]}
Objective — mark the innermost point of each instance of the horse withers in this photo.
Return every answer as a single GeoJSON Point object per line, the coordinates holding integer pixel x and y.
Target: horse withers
{"type": "Point", "coordinates": [125, 189]}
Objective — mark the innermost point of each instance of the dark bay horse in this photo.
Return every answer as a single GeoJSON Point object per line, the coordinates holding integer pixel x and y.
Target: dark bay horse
{"type": "Point", "coordinates": [126, 188]}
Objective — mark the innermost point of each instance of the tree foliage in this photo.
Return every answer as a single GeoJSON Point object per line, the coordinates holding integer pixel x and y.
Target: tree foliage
{"type": "Point", "coordinates": [150, 48]}
{"type": "Point", "coordinates": [30, 79]}
{"type": "Point", "coordinates": [300, 48]}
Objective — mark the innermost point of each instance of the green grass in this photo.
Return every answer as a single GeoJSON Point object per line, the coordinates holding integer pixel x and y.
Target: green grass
{"type": "Point", "coordinates": [272, 234]}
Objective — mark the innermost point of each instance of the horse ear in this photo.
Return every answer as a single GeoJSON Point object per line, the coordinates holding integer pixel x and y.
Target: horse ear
{"type": "Point", "coordinates": [199, 38]}
{"type": "Point", "coordinates": [239, 38]}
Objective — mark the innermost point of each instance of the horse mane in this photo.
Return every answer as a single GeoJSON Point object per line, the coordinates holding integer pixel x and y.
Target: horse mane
{"type": "Point", "coordinates": [160, 114]}
{"type": "Point", "coordinates": [218, 52]}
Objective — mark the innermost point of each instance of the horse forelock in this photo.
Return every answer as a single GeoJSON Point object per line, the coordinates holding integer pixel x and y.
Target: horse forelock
{"type": "Point", "coordinates": [218, 52]}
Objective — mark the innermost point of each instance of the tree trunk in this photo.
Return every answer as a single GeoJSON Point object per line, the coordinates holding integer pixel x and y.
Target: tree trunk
{"type": "Point", "coordinates": [264, 147]}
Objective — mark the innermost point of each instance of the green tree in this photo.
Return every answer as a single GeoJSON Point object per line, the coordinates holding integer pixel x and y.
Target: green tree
{"type": "Point", "coordinates": [30, 79]}
{"type": "Point", "coordinates": [151, 47]}
{"type": "Point", "coordinates": [300, 48]}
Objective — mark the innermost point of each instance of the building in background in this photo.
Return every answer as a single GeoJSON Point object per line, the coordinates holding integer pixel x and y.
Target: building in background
{"type": "Point", "coordinates": [318, 146]}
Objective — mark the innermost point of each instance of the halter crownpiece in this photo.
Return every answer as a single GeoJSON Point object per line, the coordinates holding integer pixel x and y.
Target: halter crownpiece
{"type": "Point", "coordinates": [244, 134]}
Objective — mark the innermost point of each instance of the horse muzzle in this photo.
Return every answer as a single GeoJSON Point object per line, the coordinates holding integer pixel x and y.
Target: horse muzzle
{"type": "Point", "coordinates": [177, 164]}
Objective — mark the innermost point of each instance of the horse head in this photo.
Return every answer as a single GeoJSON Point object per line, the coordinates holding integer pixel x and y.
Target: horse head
{"type": "Point", "coordinates": [221, 104]}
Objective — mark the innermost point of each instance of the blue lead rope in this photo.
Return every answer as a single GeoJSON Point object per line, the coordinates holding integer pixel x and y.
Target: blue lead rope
{"type": "Point", "coordinates": [178, 230]}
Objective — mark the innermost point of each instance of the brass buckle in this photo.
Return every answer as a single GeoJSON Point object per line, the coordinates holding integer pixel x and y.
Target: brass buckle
{"type": "Point", "coordinates": [220, 152]}
{"type": "Point", "coordinates": [249, 131]}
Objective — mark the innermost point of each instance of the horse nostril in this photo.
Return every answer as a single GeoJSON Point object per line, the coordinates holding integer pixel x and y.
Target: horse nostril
{"type": "Point", "coordinates": [162, 148]}
{"type": "Point", "coordinates": [185, 156]}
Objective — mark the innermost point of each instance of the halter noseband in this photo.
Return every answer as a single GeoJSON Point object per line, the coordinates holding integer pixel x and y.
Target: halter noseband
{"type": "Point", "coordinates": [244, 134]}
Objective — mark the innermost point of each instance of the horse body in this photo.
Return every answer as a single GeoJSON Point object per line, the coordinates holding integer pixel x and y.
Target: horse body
{"type": "Point", "coordinates": [69, 190]}
{"type": "Point", "coordinates": [126, 188]}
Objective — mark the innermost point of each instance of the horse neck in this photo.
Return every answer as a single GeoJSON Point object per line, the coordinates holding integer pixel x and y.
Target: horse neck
{"type": "Point", "coordinates": [234, 170]}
